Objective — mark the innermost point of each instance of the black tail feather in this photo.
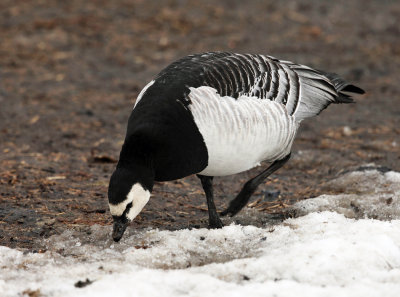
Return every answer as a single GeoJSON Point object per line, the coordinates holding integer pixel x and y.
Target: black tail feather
{"type": "Point", "coordinates": [342, 86]}
{"type": "Point", "coordinates": [353, 89]}
{"type": "Point", "coordinates": [343, 98]}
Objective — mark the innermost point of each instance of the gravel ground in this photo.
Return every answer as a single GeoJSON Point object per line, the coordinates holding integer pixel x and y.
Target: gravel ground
{"type": "Point", "coordinates": [70, 71]}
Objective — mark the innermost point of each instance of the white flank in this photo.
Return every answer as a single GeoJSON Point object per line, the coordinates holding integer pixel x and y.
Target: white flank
{"type": "Point", "coordinates": [138, 196]}
{"type": "Point", "coordinates": [240, 133]}
{"type": "Point", "coordinates": [142, 92]}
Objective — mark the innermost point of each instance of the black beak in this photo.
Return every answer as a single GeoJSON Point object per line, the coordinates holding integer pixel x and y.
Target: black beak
{"type": "Point", "coordinates": [119, 228]}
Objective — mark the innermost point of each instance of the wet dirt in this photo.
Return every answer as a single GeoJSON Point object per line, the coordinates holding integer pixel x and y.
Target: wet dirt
{"type": "Point", "coordinates": [70, 71]}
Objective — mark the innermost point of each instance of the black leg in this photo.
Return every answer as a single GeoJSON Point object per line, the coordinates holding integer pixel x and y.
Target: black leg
{"type": "Point", "coordinates": [249, 188]}
{"type": "Point", "coordinates": [206, 182]}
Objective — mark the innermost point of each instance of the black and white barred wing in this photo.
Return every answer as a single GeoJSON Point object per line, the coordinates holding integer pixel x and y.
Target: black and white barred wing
{"type": "Point", "coordinates": [304, 91]}
{"type": "Point", "coordinates": [247, 107]}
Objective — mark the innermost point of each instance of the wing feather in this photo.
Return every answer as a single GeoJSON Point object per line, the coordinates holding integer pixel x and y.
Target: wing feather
{"type": "Point", "coordinates": [304, 91]}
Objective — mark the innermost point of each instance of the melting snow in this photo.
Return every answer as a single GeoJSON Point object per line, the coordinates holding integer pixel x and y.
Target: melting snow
{"type": "Point", "coordinates": [368, 194]}
{"type": "Point", "coordinates": [347, 245]}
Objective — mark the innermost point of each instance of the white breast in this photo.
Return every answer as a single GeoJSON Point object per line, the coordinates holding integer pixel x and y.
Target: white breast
{"type": "Point", "coordinates": [240, 133]}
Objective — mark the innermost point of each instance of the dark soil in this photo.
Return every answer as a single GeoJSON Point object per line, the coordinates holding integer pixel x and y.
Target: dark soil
{"type": "Point", "coordinates": [70, 71]}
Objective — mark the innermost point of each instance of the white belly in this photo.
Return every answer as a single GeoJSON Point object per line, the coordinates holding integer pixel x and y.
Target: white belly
{"type": "Point", "coordinates": [240, 133]}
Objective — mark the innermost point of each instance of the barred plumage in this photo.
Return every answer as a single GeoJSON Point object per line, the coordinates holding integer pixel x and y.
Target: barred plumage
{"type": "Point", "coordinates": [216, 114]}
{"type": "Point", "coordinates": [303, 90]}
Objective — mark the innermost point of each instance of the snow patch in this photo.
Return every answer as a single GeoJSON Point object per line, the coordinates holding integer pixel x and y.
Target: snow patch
{"type": "Point", "coordinates": [323, 253]}
{"type": "Point", "coordinates": [161, 249]}
{"type": "Point", "coordinates": [367, 194]}
{"type": "Point", "coordinates": [320, 253]}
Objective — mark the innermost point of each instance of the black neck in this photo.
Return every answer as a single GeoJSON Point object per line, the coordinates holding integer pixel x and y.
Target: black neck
{"type": "Point", "coordinates": [138, 162]}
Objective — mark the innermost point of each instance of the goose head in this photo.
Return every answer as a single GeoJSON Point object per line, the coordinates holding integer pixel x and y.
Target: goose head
{"type": "Point", "coordinates": [128, 192]}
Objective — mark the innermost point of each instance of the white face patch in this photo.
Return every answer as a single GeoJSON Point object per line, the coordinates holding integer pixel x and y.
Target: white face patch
{"type": "Point", "coordinates": [118, 209]}
{"type": "Point", "coordinates": [139, 198]}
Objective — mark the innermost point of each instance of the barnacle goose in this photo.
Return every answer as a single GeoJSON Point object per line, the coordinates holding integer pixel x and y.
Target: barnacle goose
{"type": "Point", "coordinates": [216, 114]}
